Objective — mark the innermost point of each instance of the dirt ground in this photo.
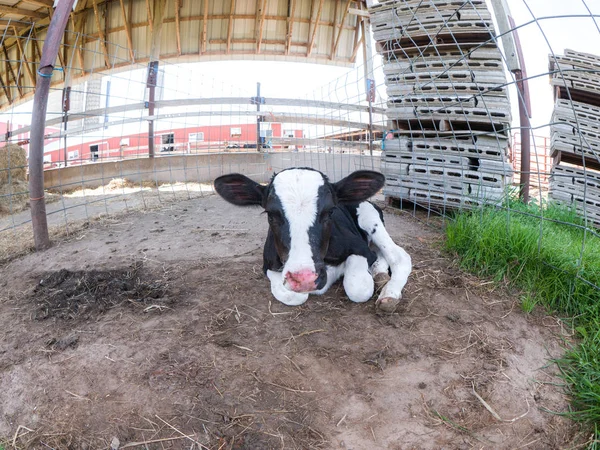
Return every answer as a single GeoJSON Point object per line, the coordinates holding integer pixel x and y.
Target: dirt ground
{"type": "Point", "coordinates": [157, 330]}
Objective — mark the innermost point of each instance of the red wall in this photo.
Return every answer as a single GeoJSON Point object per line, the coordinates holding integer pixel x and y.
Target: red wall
{"type": "Point", "coordinates": [215, 137]}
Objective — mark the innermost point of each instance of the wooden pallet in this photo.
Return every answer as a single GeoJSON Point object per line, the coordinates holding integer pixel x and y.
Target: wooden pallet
{"type": "Point", "coordinates": [460, 63]}
{"type": "Point", "coordinates": [575, 159]}
{"type": "Point", "coordinates": [462, 88]}
{"type": "Point", "coordinates": [454, 115]}
{"type": "Point", "coordinates": [390, 161]}
{"type": "Point", "coordinates": [406, 6]}
{"type": "Point", "coordinates": [444, 128]}
{"type": "Point", "coordinates": [447, 76]}
{"type": "Point", "coordinates": [419, 19]}
{"type": "Point", "coordinates": [469, 147]}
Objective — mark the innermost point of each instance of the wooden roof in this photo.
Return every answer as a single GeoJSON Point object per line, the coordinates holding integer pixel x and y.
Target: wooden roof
{"type": "Point", "coordinates": [110, 35]}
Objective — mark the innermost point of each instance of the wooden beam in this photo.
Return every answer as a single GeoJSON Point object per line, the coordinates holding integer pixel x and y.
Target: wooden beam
{"type": "Point", "coordinates": [32, 77]}
{"type": "Point", "coordinates": [10, 70]}
{"type": "Point", "coordinates": [230, 26]}
{"type": "Point", "coordinates": [337, 40]}
{"type": "Point", "coordinates": [102, 36]}
{"type": "Point", "coordinates": [159, 15]}
{"type": "Point", "coordinates": [46, 3]}
{"type": "Point", "coordinates": [261, 24]}
{"type": "Point", "coordinates": [290, 29]}
{"type": "Point", "coordinates": [5, 89]}
{"type": "Point", "coordinates": [357, 43]}
{"type": "Point", "coordinates": [22, 12]}
{"type": "Point", "coordinates": [77, 28]}
{"type": "Point", "coordinates": [149, 12]}
{"type": "Point", "coordinates": [178, 25]}
{"type": "Point", "coordinates": [315, 28]}
{"type": "Point", "coordinates": [204, 27]}
{"type": "Point", "coordinates": [334, 26]}
{"type": "Point", "coordinates": [358, 12]}
{"type": "Point", "coordinates": [127, 31]}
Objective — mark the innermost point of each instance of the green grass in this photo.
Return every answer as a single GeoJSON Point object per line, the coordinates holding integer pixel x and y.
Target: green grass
{"type": "Point", "coordinates": [556, 265]}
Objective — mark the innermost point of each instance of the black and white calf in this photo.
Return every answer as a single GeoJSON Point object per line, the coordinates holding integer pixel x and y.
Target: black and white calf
{"type": "Point", "coordinates": [320, 231]}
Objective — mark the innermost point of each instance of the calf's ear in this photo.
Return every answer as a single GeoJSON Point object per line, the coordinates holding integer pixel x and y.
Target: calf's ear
{"type": "Point", "coordinates": [358, 186]}
{"type": "Point", "coordinates": [239, 189]}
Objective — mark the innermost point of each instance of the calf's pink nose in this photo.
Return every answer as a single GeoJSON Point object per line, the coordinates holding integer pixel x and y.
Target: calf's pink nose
{"type": "Point", "coordinates": [302, 281]}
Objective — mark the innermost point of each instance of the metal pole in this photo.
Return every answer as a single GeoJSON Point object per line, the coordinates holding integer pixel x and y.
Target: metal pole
{"type": "Point", "coordinates": [258, 118]}
{"type": "Point", "coordinates": [54, 36]}
{"type": "Point", "coordinates": [369, 77]}
{"type": "Point", "coordinates": [371, 97]}
{"type": "Point", "coordinates": [525, 125]}
{"type": "Point", "coordinates": [516, 64]}
{"type": "Point", "coordinates": [151, 84]}
{"type": "Point", "coordinates": [66, 106]}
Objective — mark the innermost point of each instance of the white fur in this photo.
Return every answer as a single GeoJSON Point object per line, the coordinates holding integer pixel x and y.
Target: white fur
{"type": "Point", "coordinates": [398, 260]}
{"type": "Point", "coordinates": [358, 282]}
{"type": "Point", "coordinates": [297, 190]}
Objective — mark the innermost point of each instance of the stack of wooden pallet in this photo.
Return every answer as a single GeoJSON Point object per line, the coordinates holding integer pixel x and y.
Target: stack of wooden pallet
{"type": "Point", "coordinates": [575, 132]}
{"type": "Point", "coordinates": [448, 108]}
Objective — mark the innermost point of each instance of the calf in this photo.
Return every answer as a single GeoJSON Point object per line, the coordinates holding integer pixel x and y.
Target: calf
{"type": "Point", "coordinates": [320, 231]}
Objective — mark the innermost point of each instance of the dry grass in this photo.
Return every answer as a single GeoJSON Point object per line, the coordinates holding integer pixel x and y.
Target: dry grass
{"type": "Point", "coordinates": [14, 197]}
{"type": "Point", "coordinates": [13, 162]}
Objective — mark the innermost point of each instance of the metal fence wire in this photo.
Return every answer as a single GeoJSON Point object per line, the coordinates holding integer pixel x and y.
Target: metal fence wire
{"type": "Point", "coordinates": [461, 105]}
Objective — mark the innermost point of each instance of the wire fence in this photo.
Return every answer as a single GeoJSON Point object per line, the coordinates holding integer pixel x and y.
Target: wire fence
{"type": "Point", "coordinates": [436, 109]}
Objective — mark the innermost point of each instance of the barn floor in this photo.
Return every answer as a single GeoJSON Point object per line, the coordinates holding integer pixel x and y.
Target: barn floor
{"type": "Point", "coordinates": [159, 328]}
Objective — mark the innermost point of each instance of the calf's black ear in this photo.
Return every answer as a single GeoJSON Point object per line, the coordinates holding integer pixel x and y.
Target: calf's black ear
{"type": "Point", "coordinates": [358, 186]}
{"type": "Point", "coordinates": [239, 189]}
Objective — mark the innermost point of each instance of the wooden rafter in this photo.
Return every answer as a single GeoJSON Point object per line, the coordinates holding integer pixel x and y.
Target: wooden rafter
{"type": "Point", "coordinates": [357, 42]}
{"type": "Point", "coordinates": [230, 26]}
{"type": "Point", "coordinates": [9, 69]}
{"type": "Point", "coordinates": [334, 26]}
{"type": "Point", "coordinates": [78, 23]}
{"type": "Point", "coordinates": [160, 6]}
{"type": "Point", "coordinates": [261, 23]}
{"type": "Point", "coordinates": [26, 61]}
{"type": "Point", "coordinates": [290, 26]}
{"type": "Point", "coordinates": [127, 30]}
{"type": "Point", "coordinates": [46, 3]}
{"type": "Point", "coordinates": [339, 34]}
{"type": "Point", "coordinates": [149, 12]}
{"type": "Point", "coordinates": [204, 27]}
{"type": "Point", "coordinates": [178, 25]}
{"type": "Point", "coordinates": [101, 32]}
{"type": "Point", "coordinates": [5, 89]}
{"type": "Point", "coordinates": [315, 28]}
{"type": "Point", "coordinates": [21, 12]}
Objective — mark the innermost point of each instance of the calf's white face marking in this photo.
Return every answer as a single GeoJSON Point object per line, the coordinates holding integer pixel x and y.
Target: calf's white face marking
{"type": "Point", "coordinates": [298, 192]}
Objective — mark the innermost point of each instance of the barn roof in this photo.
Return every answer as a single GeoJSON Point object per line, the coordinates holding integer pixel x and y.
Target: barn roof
{"type": "Point", "coordinates": [110, 35]}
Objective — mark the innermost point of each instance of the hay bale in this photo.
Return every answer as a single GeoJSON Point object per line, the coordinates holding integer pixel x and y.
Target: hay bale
{"type": "Point", "coordinates": [14, 197]}
{"type": "Point", "coordinates": [119, 183]}
{"type": "Point", "coordinates": [13, 164]}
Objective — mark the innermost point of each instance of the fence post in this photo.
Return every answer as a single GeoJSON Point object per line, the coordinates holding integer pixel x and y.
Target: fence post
{"type": "Point", "coordinates": [54, 36]}
{"type": "Point", "coordinates": [516, 64]}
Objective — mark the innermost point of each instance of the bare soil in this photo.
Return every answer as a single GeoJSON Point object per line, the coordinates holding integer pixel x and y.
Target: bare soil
{"type": "Point", "coordinates": [158, 331]}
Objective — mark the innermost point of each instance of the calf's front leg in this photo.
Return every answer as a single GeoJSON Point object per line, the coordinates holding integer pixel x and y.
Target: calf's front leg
{"type": "Point", "coordinates": [358, 281]}
{"type": "Point", "coordinates": [397, 258]}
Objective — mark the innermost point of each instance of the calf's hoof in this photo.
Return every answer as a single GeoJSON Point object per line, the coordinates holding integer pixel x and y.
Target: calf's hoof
{"type": "Point", "coordinates": [381, 279]}
{"type": "Point", "coordinates": [387, 304]}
